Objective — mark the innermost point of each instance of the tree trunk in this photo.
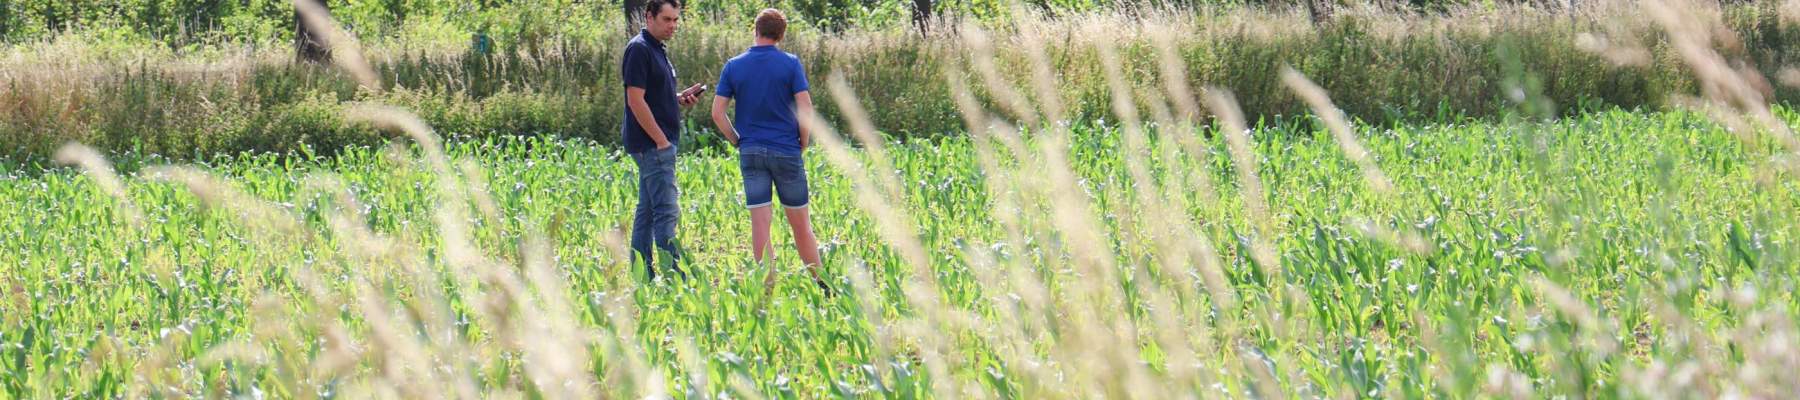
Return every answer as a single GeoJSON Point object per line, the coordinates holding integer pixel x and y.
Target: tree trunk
{"type": "Point", "coordinates": [310, 46]}
{"type": "Point", "coordinates": [1319, 11]}
{"type": "Point", "coordinates": [6, 20]}
{"type": "Point", "coordinates": [921, 16]}
{"type": "Point", "coordinates": [634, 16]}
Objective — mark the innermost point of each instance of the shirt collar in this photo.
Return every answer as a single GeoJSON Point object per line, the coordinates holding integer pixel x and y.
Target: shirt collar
{"type": "Point", "coordinates": [766, 47]}
{"type": "Point", "coordinates": [648, 38]}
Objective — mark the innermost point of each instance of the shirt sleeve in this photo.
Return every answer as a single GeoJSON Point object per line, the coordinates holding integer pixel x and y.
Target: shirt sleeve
{"type": "Point", "coordinates": [724, 88]}
{"type": "Point", "coordinates": [635, 70]}
{"type": "Point", "coordinates": [800, 77]}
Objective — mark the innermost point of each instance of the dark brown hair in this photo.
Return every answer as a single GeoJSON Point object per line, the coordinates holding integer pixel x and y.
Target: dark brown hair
{"type": "Point", "coordinates": [653, 7]}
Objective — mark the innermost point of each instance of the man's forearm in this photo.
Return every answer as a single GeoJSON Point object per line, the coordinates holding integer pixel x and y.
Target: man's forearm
{"type": "Point", "coordinates": [804, 139]}
{"type": "Point", "coordinates": [804, 107]}
{"type": "Point", "coordinates": [723, 121]}
{"type": "Point", "coordinates": [641, 111]}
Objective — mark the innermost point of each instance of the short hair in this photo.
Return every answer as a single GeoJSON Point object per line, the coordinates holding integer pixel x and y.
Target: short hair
{"type": "Point", "coordinates": [771, 24]}
{"type": "Point", "coordinates": [655, 6]}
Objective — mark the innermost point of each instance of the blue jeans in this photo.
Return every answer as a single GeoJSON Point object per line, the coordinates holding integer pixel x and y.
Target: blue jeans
{"type": "Point", "coordinates": [657, 211]}
{"type": "Point", "coordinates": [765, 170]}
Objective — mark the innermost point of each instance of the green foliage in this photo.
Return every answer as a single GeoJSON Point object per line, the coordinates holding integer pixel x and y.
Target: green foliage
{"type": "Point", "coordinates": [1580, 251]}
{"type": "Point", "coordinates": [175, 23]}
{"type": "Point", "coordinates": [526, 23]}
{"type": "Point", "coordinates": [1651, 208]}
{"type": "Point", "coordinates": [563, 83]}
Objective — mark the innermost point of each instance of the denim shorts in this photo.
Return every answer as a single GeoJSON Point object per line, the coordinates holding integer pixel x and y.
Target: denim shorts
{"type": "Point", "coordinates": [767, 170]}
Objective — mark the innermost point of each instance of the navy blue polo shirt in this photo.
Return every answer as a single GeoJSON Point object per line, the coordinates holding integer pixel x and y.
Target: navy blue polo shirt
{"type": "Point", "coordinates": [763, 82]}
{"type": "Point", "coordinates": [646, 65]}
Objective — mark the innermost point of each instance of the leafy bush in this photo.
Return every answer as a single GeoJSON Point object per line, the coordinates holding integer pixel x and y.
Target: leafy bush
{"type": "Point", "coordinates": [1382, 68]}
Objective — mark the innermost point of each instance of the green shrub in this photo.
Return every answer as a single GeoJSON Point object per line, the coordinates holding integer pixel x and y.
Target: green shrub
{"type": "Point", "coordinates": [1380, 68]}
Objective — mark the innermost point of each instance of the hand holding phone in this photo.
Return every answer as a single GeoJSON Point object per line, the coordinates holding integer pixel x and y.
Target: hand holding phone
{"type": "Point", "coordinates": [690, 96]}
{"type": "Point", "coordinates": [695, 90]}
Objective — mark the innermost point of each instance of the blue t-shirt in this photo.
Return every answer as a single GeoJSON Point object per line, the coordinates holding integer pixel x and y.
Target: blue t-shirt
{"type": "Point", "coordinates": [646, 65]}
{"type": "Point", "coordinates": [764, 81]}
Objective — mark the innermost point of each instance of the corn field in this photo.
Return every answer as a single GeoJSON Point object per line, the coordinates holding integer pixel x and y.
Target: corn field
{"type": "Point", "coordinates": [1171, 249]}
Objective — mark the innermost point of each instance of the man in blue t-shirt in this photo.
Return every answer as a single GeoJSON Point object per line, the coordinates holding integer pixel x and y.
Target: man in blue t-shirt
{"type": "Point", "coordinates": [768, 86]}
{"type": "Point", "coordinates": [651, 130]}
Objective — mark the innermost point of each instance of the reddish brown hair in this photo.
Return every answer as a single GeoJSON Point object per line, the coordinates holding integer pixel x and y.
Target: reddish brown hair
{"type": "Point", "coordinates": [771, 24]}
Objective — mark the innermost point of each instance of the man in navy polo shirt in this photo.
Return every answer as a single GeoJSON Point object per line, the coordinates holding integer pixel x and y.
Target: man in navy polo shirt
{"type": "Point", "coordinates": [652, 129]}
{"type": "Point", "coordinates": [768, 86]}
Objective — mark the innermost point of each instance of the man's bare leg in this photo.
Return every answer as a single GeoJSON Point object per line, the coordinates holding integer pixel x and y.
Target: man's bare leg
{"type": "Point", "coordinates": [800, 220]}
{"type": "Point", "coordinates": [760, 219]}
